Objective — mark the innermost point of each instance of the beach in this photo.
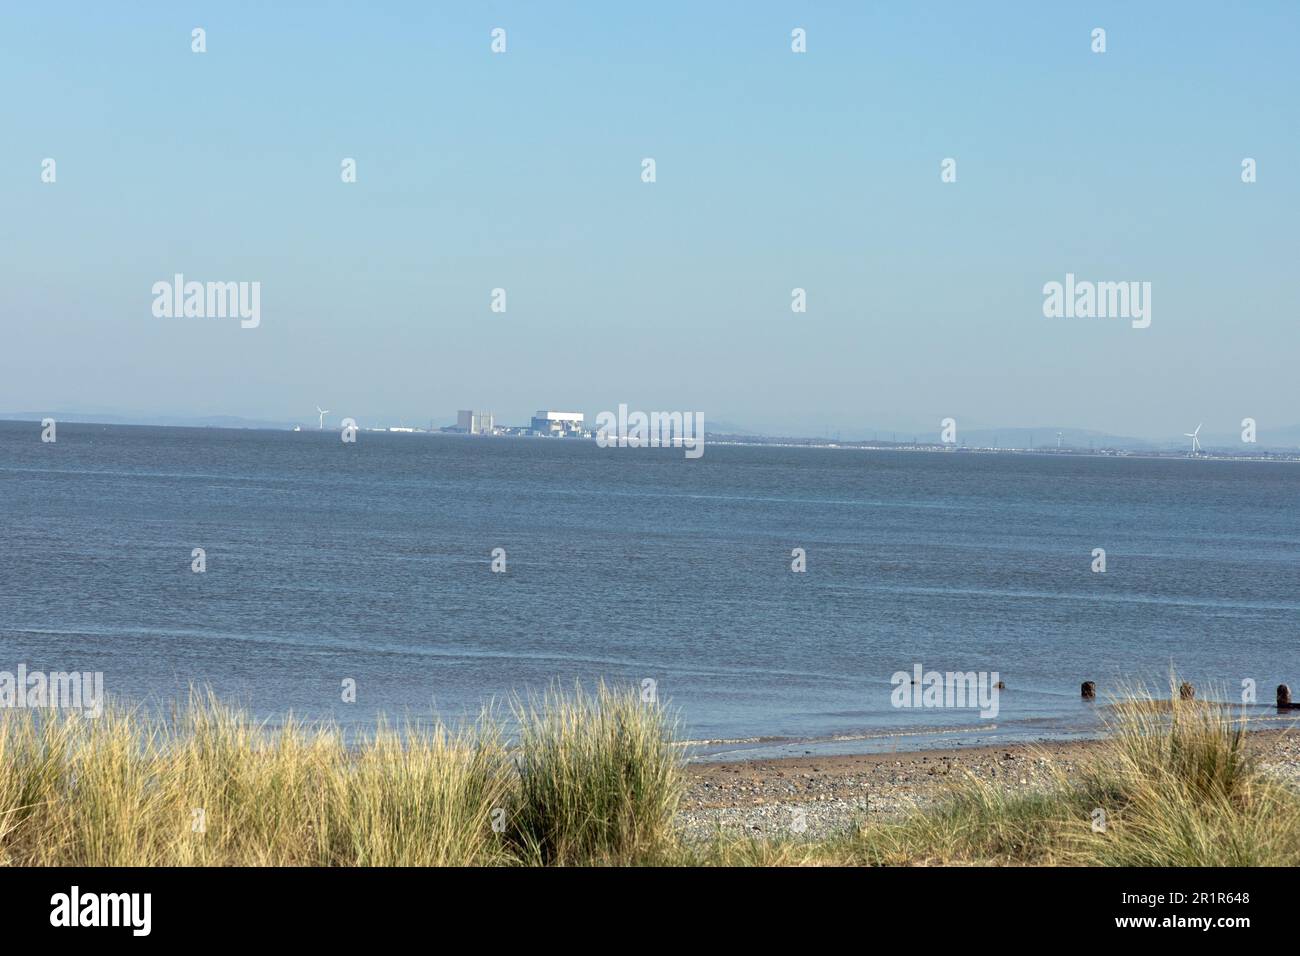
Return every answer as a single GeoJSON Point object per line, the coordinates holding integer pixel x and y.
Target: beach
{"type": "Point", "coordinates": [761, 798]}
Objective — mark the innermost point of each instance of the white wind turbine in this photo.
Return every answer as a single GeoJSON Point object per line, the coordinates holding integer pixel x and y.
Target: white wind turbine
{"type": "Point", "coordinates": [323, 413]}
{"type": "Point", "coordinates": [1196, 442]}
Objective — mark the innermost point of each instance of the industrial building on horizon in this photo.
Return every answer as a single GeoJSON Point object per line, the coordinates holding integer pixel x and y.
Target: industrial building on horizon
{"type": "Point", "coordinates": [546, 423]}
{"type": "Point", "coordinates": [475, 423]}
{"type": "Point", "coordinates": [561, 424]}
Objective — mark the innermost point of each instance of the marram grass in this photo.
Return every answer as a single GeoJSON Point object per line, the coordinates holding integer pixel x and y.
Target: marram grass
{"type": "Point", "coordinates": [585, 779]}
{"type": "Point", "coordinates": [591, 778]}
{"type": "Point", "coordinates": [599, 778]}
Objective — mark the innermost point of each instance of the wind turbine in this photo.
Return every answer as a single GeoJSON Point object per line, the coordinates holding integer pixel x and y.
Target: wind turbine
{"type": "Point", "coordinates": [323, 413]}
{"type": "Point", "coordinates": [1196, 442]}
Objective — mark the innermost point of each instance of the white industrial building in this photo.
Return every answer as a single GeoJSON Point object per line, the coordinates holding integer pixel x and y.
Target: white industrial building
{"type": "Point", "coordinates": [474, 423]}
{"type": "Point", "coordinates": [562, 424]}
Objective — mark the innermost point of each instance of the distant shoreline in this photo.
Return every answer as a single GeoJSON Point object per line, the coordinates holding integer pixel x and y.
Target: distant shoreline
{"type": "Point", "coordinates": [727, 440]}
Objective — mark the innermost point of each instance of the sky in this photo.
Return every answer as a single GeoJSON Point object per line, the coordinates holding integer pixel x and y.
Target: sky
{"type": "Point", "coordinates": [775, 170]}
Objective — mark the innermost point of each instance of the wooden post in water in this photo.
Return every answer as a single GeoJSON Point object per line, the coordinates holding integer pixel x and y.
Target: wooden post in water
{"type": "Point", "coordinates": [1089, 690]}
{"type": "Point", "coordinates": [1283, 697]}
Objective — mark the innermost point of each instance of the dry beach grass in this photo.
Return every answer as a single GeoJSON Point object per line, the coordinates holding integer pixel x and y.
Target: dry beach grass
{"type": "Point", "coordinates": [597, 779]}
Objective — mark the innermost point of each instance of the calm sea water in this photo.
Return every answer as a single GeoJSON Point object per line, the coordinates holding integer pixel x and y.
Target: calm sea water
{"type": "Point", "coordinates": [371, 561]}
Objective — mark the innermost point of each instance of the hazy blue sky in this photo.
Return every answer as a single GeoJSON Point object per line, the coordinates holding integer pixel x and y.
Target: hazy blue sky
{"type": "Point", "coordinates": [775, 170]}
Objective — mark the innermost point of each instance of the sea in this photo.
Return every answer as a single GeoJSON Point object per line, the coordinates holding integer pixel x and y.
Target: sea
{"type": "Point", "coordinates": [433, 576]}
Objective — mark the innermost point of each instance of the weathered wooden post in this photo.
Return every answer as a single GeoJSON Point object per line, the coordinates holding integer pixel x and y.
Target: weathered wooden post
{"type": "Point", "coordinates": [1089, 690]}
{"type": "Point", "coordinates": [1283, 697]}
{"type": "Point", "coordinates": [1186, 691]}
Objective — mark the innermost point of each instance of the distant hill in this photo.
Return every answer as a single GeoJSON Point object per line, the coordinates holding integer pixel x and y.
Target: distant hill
{"type": "Point", "coordinates": [1046, 437]}
{"type": "Point", "coordinates": [179, 421]}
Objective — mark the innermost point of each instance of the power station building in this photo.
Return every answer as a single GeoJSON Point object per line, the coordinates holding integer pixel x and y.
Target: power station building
{"type": "Point", "coordinates": [474, 423]}
{"type": "Point", "coordinates": [561, 424]}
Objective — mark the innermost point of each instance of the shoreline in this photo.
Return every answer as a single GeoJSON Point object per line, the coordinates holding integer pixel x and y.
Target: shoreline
{"type": "Point", "coordinates": [771, 798]}
{"type": "Point", "coordinates": [1275, 453]}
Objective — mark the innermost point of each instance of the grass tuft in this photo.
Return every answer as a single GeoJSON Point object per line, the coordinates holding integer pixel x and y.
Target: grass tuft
{"type": "Point", "coordinates": [599, 778]}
